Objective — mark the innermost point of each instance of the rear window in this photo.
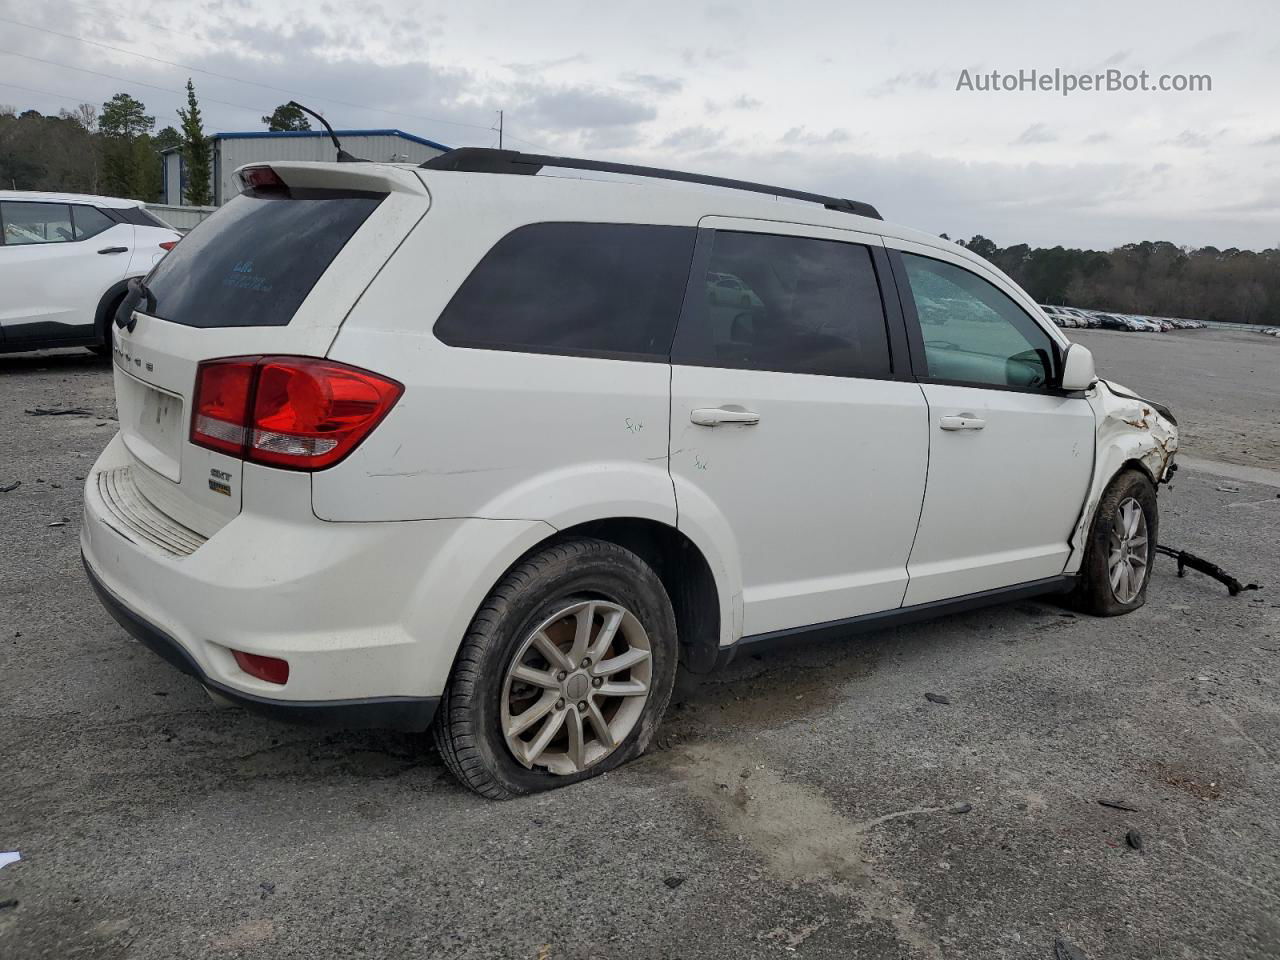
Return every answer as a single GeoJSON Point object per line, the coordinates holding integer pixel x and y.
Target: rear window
{"type": "Point", "coordinates": [581, 289]}
{"type": "Point", "coordinates": [253, 262]}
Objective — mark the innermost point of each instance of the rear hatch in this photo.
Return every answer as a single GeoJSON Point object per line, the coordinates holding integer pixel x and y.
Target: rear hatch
{"type": "Point", "coordinates": [273, 272]}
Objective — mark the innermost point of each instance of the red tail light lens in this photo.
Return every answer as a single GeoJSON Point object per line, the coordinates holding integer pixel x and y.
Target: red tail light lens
{"type": "Point", "coordinates": [260, 178]}
{"type": "Point", "coordinates": [293, 412]}
{"type": "Point", "coordinates": [270, 669]}
{"type": "Point", "coordinates": [168, 244]}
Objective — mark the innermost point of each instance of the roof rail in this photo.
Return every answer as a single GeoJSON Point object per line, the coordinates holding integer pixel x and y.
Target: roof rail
{"type": "Point", "coordinates": [486, 160]}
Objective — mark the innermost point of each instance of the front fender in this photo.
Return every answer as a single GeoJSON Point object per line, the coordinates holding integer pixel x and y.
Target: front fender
{"type": "Point", "coordinates": [1130, 430]}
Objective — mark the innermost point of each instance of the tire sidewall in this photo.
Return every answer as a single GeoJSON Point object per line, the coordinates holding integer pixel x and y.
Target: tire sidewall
{"type": "Point", "coordinates": [615, 575]}
{"type": "Point", "coordinates": [1130, 483]}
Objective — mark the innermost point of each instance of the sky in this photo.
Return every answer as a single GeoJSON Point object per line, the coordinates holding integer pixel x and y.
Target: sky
{"type": "Point", "coordinates": [854, 99]}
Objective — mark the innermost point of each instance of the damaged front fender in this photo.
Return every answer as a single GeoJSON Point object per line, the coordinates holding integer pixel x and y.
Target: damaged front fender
{"type": "Point", "coordinates": [1129, 430]}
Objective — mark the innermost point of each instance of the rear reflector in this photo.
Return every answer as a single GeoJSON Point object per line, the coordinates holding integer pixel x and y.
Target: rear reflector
{"type": "Point", "coordinates": [270, 669]}
{"type": "Point", "coordinates": [168, 244]}
{"type": "Point", "coordinates": [299, 413]}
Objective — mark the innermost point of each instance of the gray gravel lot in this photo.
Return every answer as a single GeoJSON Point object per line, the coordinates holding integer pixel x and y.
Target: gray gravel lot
{"type": "Point", "coordinates": [796, 805]}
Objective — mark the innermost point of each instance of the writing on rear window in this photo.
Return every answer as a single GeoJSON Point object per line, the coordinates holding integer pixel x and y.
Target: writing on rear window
{"type": "Point", "coordinates": [243, 277]}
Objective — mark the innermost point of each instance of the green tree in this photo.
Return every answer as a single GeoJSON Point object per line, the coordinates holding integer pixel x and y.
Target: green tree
{"type": "Point", "coordinates": [168, 137]}
{"type": "Point", "coordinates": [197, 153]}
{"type": "Point", "coordinates": [287, 117]}
{"type": "Point", "coordinates": [129, 164]}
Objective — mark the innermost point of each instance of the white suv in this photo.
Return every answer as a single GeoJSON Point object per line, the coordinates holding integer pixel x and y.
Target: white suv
{"type": "Point", "coordinates": [65, 261]}
{"type": "Point", "coordinates": [481, 445]}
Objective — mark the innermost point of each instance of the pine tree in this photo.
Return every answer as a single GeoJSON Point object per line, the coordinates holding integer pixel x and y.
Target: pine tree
{"type": "Point", "coordinates": [197, 153]}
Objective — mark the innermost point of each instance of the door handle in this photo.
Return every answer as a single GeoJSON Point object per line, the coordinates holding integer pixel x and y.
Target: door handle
{"type": "Point", "coordinates": [714, 416]}
{"type": "Point", "coordinates": [966, 421]}
{"type": "Point", "coordinates": [114, 250]}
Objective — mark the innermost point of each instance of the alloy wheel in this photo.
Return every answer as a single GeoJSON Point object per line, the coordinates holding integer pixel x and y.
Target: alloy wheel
{"type": "Point", "coordinates": [1128, 551]}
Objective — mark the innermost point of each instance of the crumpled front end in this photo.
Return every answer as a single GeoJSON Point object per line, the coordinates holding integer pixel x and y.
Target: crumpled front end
{"type": "Point", "coordinates": [1130, 430]}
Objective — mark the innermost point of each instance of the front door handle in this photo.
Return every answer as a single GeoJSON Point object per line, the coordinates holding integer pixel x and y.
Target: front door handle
{"type": "Point", "coordinates": [966, 421]}
{"type": "Point", "coordinates": [114, 250]}
{"type": "Point", "coordinates": [714, 416]}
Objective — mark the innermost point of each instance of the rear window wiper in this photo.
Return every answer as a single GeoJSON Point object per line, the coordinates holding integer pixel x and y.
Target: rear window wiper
{"type": "Point", "coordinates": [139, 293]}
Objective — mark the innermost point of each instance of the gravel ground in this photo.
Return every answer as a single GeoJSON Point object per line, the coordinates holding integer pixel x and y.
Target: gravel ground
{"type": "Point", "coordinates": [803, 803]}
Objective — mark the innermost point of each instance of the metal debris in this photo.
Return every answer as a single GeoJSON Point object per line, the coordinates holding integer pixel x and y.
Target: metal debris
{"type": "Point", "coordinates": [1118, 806]}
{"type": "Point", "coordinates": [59, 412]}
{"type": "Point", "coordinates": [1186, 559]}
{"type": "Point", "coordinates": [937, 698]}
{"type": "Point", "coordinates": [673, 882]}
{"type": "Point", "coordinates": [10, 487]}
{"type": "Point", "coordinates": [1134, 839]}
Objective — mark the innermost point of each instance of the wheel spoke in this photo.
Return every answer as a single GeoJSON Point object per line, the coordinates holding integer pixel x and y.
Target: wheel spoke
{"type": "Point", "coordinates": [585, 617]}
{"type": "Point", "coordinates": [1117, 573]}
{"type": "Point", "coordinates": [622, 688]}
{"type": "Point", "coordinates": [538, 678]}
{"type": "Point", "coordinates": [604, 639]}
{"type": "Point", "coordinates": [1136, 542]}
{"type": "Point", "coordinates": [632, 657]}
{"type": "Point", "coordinates": [555, 656]}
{"type": "Point", "coordinates": [603, 733]}
{"type": "Point", "coordinates": [577, 739]}
{"type": "Point", "coordinates": [548, 732]}
{"type": "Point", "coordinates": [523, 721]}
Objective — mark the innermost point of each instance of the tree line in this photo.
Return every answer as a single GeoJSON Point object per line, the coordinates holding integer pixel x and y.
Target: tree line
{"type": "Point", "coordinates": [114, 150]}
{"type": "Point", "coordinates": [1158, 279]}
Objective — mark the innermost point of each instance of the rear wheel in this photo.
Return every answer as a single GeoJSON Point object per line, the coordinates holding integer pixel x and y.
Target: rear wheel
{"type": "Point", "coordinates": [103, 349]}
{"type": "Point", "coordinates": [1120, 549]}
{"type": "Point", "coordinates": [564, 674]}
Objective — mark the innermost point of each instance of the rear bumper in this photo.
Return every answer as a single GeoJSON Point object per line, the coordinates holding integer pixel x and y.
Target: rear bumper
{"type": "Point", "coordinates": [391, 713]}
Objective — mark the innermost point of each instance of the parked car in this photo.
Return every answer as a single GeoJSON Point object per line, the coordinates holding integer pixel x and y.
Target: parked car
{"type": "Point", "coordinates": [65, 261]}
{"type": "Point", "coordinates": [394, 453]}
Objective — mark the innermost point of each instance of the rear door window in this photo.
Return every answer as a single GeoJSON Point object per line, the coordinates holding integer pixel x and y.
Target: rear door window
{"type": "Point", "coordinates": [580, 289]}
{"type": "Point", "coordinates": [89, 221]}
{"type": "Point", "coordinates": [253, 262]}
{"type": "Point", "coordinates": [788, 304]}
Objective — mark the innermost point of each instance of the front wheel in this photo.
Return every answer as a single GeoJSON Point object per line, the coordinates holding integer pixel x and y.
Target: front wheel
{"type": "Point", "coordinates": [1120, 548]}
{"type": "Point", "coordinates": [564, 674]}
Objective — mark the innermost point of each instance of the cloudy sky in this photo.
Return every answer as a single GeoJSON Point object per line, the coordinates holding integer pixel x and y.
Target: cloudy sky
{"type": "Point", "coordinates": [850, 98]}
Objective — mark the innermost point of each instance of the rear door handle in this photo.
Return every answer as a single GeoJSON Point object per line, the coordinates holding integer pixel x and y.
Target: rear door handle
{"type": "Point", "coordinates": [714, 416]}
{"type": "Point", "coordinates": [114, 250]}
{"type": "Point", "coordinates": [965, 421]}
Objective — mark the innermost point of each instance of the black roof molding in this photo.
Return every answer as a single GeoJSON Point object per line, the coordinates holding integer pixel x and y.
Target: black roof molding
{"type": "Point", "coordinates": [486, 160]}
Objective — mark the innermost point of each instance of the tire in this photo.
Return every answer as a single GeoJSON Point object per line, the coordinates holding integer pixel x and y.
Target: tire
{"type": "Point", "coordinates": [1095, 593]}
{"type": "Point", "coordinates": [608, 587]}
{"type": "Point", "coordinates": [103, 349]}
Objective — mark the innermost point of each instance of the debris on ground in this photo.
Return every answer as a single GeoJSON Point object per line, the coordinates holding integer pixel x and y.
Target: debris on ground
{"type": "Point", "coordinates": [59, 412]}
{"type": "Point", "coordinates": [1134, 839]}
{"type": "Point", "coordinates": [1066, 951]}
{"type": "Point", "coordinates": [267, 889]}
{"type": "Point", "coordinates": [673, 882]}
{"type": "Point", "coordinates": [6, 904]}
{"type": "Point", "coordinates": [937, 698]}
{"type": "Point", "coordinates": [1118, 806]}
{"type": "Point", "coordinates": [1186, 559]}
{"type": "Point", "coordinates": [59, 523]}
{"type": "Point", "coordinates": [8, 857]}
{"type": "Point", "coordinates": [960, 808]}
{"type": "Point", "coordinates": [10, 487]}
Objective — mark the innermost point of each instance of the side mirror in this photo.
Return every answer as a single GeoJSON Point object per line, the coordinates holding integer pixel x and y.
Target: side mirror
{"type": "Point", "coordinates": [1077, 369]}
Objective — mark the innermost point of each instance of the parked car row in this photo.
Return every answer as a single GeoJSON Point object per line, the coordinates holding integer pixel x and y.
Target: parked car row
{"type": "Point", "coordinates": [1271, 331]}
{"type": "Point", "coordinates": [1077, 317]}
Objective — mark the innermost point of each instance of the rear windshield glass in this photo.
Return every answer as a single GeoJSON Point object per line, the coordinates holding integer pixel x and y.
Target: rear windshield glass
{"type": "Point", "coordinates": [253, 262]}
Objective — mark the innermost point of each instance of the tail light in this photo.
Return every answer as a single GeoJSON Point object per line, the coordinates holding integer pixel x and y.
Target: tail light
{"type": "Point", "coordinates": [293, 412]}
{"type": "Point", "coordinates": [168, 245]}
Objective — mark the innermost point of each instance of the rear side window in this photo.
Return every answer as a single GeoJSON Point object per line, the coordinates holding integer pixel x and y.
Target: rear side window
{"type": "Point", "coordinates": [585, 289]}
{"type": "Point", "coordinates": [89, 221]}
{"type": "Point", "coordinates": [788, 304]}
{"type": "Point", "coordinates": [253, 262]}
{"type": "Point", "coordinates": [30, 223]}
